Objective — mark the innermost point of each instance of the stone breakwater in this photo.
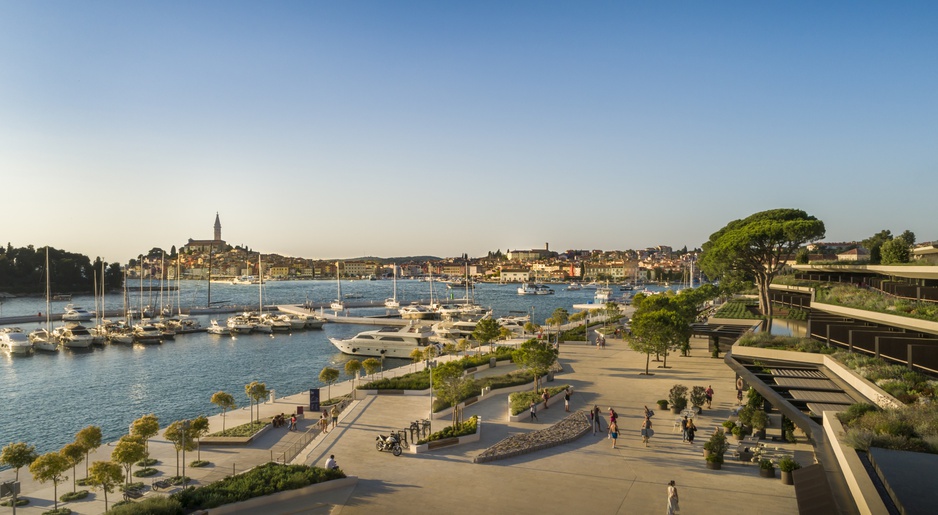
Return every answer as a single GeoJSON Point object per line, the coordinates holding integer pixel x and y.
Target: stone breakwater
{"type": "Point", "coordinates": [565, 431]}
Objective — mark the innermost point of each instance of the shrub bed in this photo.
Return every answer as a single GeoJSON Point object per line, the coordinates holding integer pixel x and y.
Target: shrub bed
{"type": "Point", "coordinates": [157, 505]}
{"type": "Point", "coordinates": [464, 428]}
{"type": "Point", "coordinates": [911, 428]}
{"type": "Point", "coordinates": [521, 401]}
{"type": "Point", "coordinates": [200, 463]}
{"type": "Point", "coordinates": [145, 472]}
{"type": "Point", "coordinates": [243, 430]}
{"type": "Point", "coordinates": [262, 480]}
{"type": "Point", "coordinates": [147, 462]}
{"type": "Point", "coordinates": [740, 309]}
{"type": "Point", "coordinates": [73, 496]}
{"type": "Point", "coordinates": [853, 297]}
{"type": "Point", "coordinates": [769, 341]}
{"type": "Point", "coordinates": [516, 378]}
{"type": "Point", "coordinates": [59, 511]}
{"type": "Point", "coordinates": [20, 501]}
{"type": "Point", "coordinates": [905, 385]}
{"type": "Point", "coordinates": [412, 381]}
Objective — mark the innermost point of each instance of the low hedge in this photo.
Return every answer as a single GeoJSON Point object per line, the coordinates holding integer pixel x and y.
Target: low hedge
{"type": "Point", "coordinates": [412, 381]}
{"type": "Point", "coordinates": [147, 462]}
{"type": "Point", "coordinates": [516, 378]}
{"type": "Point", "coordinates": [156, 505]}
{"type": "Point", "coordinates": [521, 401]}
{"type": "Point", "coordinates": [769, 341]}
{"type": "Point", "coordinates": [464, 428]}
{"type": "Point", "coordinates": [200, 463]}
{"type": "Point", "coordinates": [263, 480]}
{"type": "Point", "coordinates": [145, 472]}
{"type": "Point", "coordinates": [911, 428]}
{"type": "Point", "coordinates": [20, 501]}
{"type": "Point", "coordinates": [58, 511]}
{"type": "Point", "coordinates": [244, 429]}
{"type": "Point", "coordinates": [73, 496]}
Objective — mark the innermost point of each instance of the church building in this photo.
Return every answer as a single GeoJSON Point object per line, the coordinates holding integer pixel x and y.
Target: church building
{"type": "Point", "coordinates": [205, 245]}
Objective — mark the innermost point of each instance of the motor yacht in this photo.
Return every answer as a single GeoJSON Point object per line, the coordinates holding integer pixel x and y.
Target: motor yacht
{"type": "Point", "coordinates": [313, 322]}
{"type": "Point", "coordinates": [15, 342]}
{"type": "Point", "coordinates": [415, 311]}
{"type": "Point", "coordinates": [215, 328]}
{"type": "Point", "coordinates": [574, 286]}
{"type": "Point", "coordinates": [147, 333]}
{"type": "Point", "coordinates": [534, 289]}
{"type": "Point", "coordinates": [457, 329]}
{"type": "Point", "coordinates": [603, 295]}
{"type": "Point", "coordinates": [43, 341]}
{"type": "Point", "coordinates": [74, 336]}
{"type": "Point", "coordinates": [390, 342]}
{"type": "Point", "coordinates": [75, 313]}
{"type": "Point", "coordinates": [240, 324]}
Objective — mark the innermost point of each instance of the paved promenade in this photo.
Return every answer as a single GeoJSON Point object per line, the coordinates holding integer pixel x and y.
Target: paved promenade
{"type": "Point", "coordinates": [584, 476]}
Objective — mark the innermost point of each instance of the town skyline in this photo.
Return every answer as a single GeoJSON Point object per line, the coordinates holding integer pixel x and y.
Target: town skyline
{"type": "Point", "coordinates": [329, 130]}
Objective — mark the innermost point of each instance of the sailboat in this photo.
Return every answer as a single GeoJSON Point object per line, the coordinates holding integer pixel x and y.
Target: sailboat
{"type": "Point", "coordinates": [392, 303]}
{"type": "Point", "coordinates": [42, 339]}
{"type": "Point", "coordinates": [415, 311]}
{"type": "Point", "coordinates": [337, 304]}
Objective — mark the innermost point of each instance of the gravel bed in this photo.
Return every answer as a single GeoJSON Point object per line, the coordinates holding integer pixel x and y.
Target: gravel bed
{"type": "Point", "coordinates": [567, 430]}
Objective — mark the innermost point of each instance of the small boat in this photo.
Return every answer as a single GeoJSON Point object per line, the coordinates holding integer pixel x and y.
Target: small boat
{"type": "Point", "coordinates": [390, 342]}
{"type": "Point", "coordinates": [337, 304]}
{"type": "Point", "coordinates": [603, 295]}
{"type": "Point", "coordinates": [534, 289]}
{"type": "Point", "coordinates": [392, 302]}
{"type": "Point", "coordinates": [15, 342]}
{"type": "Point", "coordinates": [313, 322]}
{"type": "Point", "coordinates": [574, 286]}
{"type": "Point", "coordinates": [75, 313]}
{"type": "Point", "coordinates": [74, 336]}
{"type": "Point", "coordinates": [214, 328]}
{"type": "Point", "coordinates": [415, 311]}
{"type": "Point", "coordinates": [240, 324]}
{"type": "Point", "coordinates": [147, 333]}
{"type": "Point", "coordinates": [43, 341]}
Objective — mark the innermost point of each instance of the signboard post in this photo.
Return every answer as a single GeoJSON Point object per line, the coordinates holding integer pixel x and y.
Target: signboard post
{"type": "Point", "coordinates": [314, 399]}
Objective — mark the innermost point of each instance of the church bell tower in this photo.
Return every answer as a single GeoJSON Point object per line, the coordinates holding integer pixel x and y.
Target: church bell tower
{"type": "Point", "coordinates": [217, 227]}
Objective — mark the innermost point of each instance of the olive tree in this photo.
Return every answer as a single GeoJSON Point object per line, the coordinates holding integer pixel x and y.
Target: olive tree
{"type": "Point", "coordinates": [352, 368]}
{"type": "Point", "coordinates": [105, 475]}
{"type": "Point", "coordinates": [129, 450]}
{"type": "Point", "coordinates": [535, 355]}
{"type": "Point", "coordinates": [50, 467]}
{"type": "Point", "coordinates": [145, 427]}
{"type": "Point", "coordinates": [179, 433]}
{"type": "Point", "coordinates": [758, 247]}
{"type": "Point", "coordinates": [450, 384]}
{"type": "Point", "coordinates": [329, 375]}
{"type": "Point", "coordinates": [199, 428]}
{"type": "Point", "coordinates": [74, 453]}
{"type": "Point", "coordinates": [225, 401]}
{"type": "Point", "coordinates": [18, 455]}
{"type": "Point", "coordinates": [89, 438]}
{"type": "Point", "coordinates": [371, 366]}
{"type": "Point", "coordinates": [416, 355]}
{"type": "Point", "coordinates": [256, 391]}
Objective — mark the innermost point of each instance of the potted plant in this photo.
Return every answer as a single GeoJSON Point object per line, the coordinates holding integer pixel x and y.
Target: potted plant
{"type": "Point", "coordinates": [714, 449]}
{"type": "Point", "coordinates": [759, 420]}
{"type": "Point", "coordinates": [766, 468]}
{"type": "Point", "coordinates": [729, 425]}
{"type": "Point", "coordinates": [663, 404]}
{"type": "Point", "coordinates": [740, 432]}
{"type": "Point", "coordinates": [715, 462]}
{"type": "Point", "coordinates": [698, 397]}
{"type": "Point", "coordinates": [745, 416]}
{"type": "Point", "coordinates": [678, 398]}
{"type": "Point", "coordinates": [787, 464]}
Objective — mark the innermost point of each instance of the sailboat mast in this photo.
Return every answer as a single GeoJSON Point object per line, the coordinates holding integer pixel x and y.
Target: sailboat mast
{"type": "Point", "coordinates": [162, 265]}
{"type": "Point", "coordinates": [260, 286]}
{"type": "Point", "coordinates": [48, 293]}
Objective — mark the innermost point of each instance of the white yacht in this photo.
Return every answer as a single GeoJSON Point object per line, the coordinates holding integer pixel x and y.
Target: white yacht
{"type": "Point", "coordinates": [147, 333]}
{"type": "Point", "coordinates": [15, 342]}
{"type": "Point", "coordinates": [215, 328]}
{"type": "Point", "coordinates": [43, 340]}
{"type": "Point", "coordinates": [74, 336]}
{"type": "Point", "coordinates": [574, 286]}
{"type": "Point", "coordinates": [514, 323]}
{"type": "Point", "coordinates": [415, 311]}
{"type": "Point", "coordinates": [390, 342]}
{"type": "Point", "coordinates": [603, 295]}
{"type": "Point", "coordinates": [75, 313]}
{"type": "Point", "coordinates": [240, 324]}
{"type": "Point", "coordinates": [182, 324]}
{"type": "Point", "coordinates": [457, 329]}
{"type": "Point", "coordinates": [313, 322]}
{"type": "Point", "coordinates": [534, 289]}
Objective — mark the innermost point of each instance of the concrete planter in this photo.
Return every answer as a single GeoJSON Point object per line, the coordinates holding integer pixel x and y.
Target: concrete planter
{"type": "Point", "coordinates": [234, 440]}
{"type": "Point", "coordinates": [858, 480]}
{"type": "Point", "coordinates": [448, 442]}
{"type": "Point", "coordinates": [526, 414]}
{"type": "Point", "coordinates": [715, 465]}
{"type": "Point", "coordinates": [258, 503]}
{"type": "Point", "coordinates": [786, 478]}
{"type": "Point", "coordinates": [767, 472]}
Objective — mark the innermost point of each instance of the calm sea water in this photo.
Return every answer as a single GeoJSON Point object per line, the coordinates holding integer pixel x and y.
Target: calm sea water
{"type": "Point", "coordinates": [46, 398]}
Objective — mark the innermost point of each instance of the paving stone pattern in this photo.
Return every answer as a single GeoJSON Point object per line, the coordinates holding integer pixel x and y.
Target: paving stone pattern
{"type": "Point", "coordinates": [565, 431]}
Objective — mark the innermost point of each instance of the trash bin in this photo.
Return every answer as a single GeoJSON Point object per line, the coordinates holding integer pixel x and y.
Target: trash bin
{"type": "Point", "coordinates": [273, 395]}
{"type": "Point", "coordinates": [550, 377]}
{"type": "Point", "coordinates": [299, 411]}
{"type": "Point", "coordinates": [491, 362]}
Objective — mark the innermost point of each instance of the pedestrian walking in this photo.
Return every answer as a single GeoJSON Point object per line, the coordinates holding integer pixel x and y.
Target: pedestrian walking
{"type": "Point", "coordinates": [293, 422]}
{"type": "Point", "coordinates": [684, 429]}
{"type": "Point", "coordinates": [335, 415]}
{"type": "Point", "coordinates": [709, 393]}
{"type": "Point", "coordinates": [533, 409]}
{"type": "Point", "coordinates": [691, 431]}
{"type": "Point", "coordinates": [566, 399]}
{"type": "Point", "coordinates": [649, 413]}
{"type": "Point", "coordinates": [647, 431]}
{"type": "Point", "coordinates": [739, 397]}
{"type": "Point", "coordinates": [597, 420]}
{"type": "Point", "coordinates": [323, 423]}
{"type": "Point", "coordinates": [614, 433]}
{"type": "Point", "coordinates": [673, 506]}
{"type": "Point", "coordinates": [546, 397]}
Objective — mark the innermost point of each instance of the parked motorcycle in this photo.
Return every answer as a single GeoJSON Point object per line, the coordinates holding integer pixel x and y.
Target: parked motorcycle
{"type": "Point", "coordinates": [389, 443]}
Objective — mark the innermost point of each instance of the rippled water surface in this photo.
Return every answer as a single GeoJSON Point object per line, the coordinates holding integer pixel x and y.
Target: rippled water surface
{"type": "Point", "coordinates": [46, 398]}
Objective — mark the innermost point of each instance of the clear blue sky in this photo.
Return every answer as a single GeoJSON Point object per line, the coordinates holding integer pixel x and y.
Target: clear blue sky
{"type": "Point", "coordinates": [339, 129]}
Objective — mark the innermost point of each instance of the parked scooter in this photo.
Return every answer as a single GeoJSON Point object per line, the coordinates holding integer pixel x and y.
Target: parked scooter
{"type": "Point", "coordinates": [389, 443]}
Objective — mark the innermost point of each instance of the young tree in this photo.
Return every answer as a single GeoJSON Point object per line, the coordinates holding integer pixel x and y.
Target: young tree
{"type": "Point", "coordinates": [895, 251]}
{"type": "Point", "coordinates": [179, 433]}
{"type": "Point", "coordinates": [225, 401]}
{"type": "Point", "coordinates": [50, 467]}
{"type": "Point", "coordinates": [642, 345]}
{"type": "Point", "coordinates": [199, 428]}
{"type": "Point", "coordinates": [90, 439]}
{"type": "Point", "coordinates": [486, 331]}
{"type": "Point", "coordinates": [663, 329]}
{"type": "Point", "coordinates": [129, 450]}
{"type": "Point", "coordinates": [462, 345]}
{"type": "Point", "coordinates": [256, 391]}
{"type": "Point", "coordinates": [504, 333]}
{"type": "Point", "coordinates": [537, 356]}
{"type": "Point", "coordinates": [430, 352]}
{"type": "Point", "coordinates": [329, 375]}
{"type": "Point", "coordinates": [105, 475]}
{"type": "Point", "coordinates": [450, 384]}
{"type": "Point", "coordinates": [145, 427]}
{"type": "Point", "coordinates": [18, 455]}
{"type": "Point", "coordinates": [74, 453]}
{"type": "Point", "coordinates": [352, 368]}
{"type": "Point", "coordinates": [560, 317]}
{"type": "Point", "coordinates": [531, 327]}
{"type": "Point", "coordinates": [416, 355]}
{"type": "Point", "coordinates": [757, 247]}
{"type": "Point", "coordinates": [371, 366]}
